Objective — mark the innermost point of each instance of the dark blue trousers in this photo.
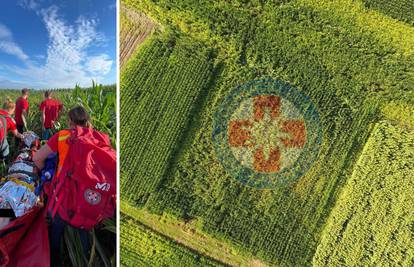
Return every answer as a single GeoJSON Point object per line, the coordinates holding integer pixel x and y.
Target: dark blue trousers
{"type": "Point", "coordinates": [56, 229]}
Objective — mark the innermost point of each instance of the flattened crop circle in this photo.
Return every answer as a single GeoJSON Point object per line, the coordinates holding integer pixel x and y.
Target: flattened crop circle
{"type": "Point", "coordinates": [266, 133]}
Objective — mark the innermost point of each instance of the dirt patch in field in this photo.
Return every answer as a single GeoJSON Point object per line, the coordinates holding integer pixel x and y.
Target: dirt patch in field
{"type": "Point", "coordinates": [135, 28]}
{"type": "Point", "coordinates": [257, 263]}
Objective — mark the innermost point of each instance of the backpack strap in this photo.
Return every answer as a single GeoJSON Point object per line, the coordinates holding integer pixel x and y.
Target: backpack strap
{"type": "Point", "coordinates": [63, 149]}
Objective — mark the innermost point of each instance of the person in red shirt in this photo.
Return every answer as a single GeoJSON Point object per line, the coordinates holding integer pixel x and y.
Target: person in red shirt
{"type": "Point", "coordinates": [77, 116]}
{"type": "Point", "coordinates": [22, 110]}
{"type": "Point", "coordinates": [6, 113]}
{"type": "Point", "coordinates": [50, 109]}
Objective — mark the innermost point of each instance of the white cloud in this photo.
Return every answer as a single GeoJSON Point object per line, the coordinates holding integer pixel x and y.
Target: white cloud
{"type": "Point", "coordinates": [13, 49]}
{"type": "Point", "coordinates": [101, 64]}
{"type": "Point", "coordinates": [67, 61]}
{"type": "Point", "coordinates": [29, 4]}
{"type": "Point", "coordinates": [5, 32]}
{"type": "Point", "coordinates": [8, 46]}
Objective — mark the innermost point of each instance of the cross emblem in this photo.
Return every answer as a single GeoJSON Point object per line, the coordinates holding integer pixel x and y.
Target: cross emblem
{"type": "Point", "coordinates": [92, 197]}
{"type": "Point", "coordinates": [269, 134]}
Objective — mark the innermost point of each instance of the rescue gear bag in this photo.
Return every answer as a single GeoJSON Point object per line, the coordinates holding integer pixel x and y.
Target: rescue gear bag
{"type": "Point", "coordinates": [84, 189]}
{"type": "Point", "coordinates": [24, 242]}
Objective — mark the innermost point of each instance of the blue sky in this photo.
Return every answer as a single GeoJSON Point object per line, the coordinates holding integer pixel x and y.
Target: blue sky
{"type": "Point", "coordinates": [57, 43]}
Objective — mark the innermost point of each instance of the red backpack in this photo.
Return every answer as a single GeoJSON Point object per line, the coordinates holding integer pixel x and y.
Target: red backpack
{"type": "Point", "coordinates": [84, 190]}
{"type": "Point", "coordinates": [24, 241]}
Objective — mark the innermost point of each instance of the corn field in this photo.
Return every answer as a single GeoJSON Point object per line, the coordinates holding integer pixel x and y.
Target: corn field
{"type": "Point", "coordinates": [197, 141]}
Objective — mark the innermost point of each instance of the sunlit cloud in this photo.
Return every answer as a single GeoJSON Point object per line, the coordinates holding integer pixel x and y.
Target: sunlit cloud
{"type": "Point", "coordinates": [69, 60]}
{"type": "Point", "coordinates": [8, 46]}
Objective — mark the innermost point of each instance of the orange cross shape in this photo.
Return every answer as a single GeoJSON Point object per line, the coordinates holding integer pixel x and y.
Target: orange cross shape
{"type": "Point", "coordinates": [239, 133]}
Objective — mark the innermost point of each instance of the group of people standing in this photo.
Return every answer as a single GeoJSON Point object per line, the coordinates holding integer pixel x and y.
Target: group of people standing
{"type": "Point", "coordinates": [50, 110]}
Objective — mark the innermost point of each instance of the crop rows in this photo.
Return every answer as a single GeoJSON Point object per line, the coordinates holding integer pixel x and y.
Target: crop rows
{"type": "Point", "coordinates": [347, 67]}
{"type": "Point", "coordinates": [399, 9]}
{"type": "Point", "coordinates": [372, 222]}
{"type": "Point", "coordinates": [142, 247]}
{"type": "Point", "coordinates": [157, 101]}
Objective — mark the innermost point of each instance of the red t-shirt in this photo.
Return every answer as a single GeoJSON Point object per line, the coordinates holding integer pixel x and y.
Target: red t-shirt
{"type": "Point", "coordinates": [51, 107]}
{"type": "Point", "coordinates": [21, 104]}
{"type": "Point", "coordinates": [11, 125]}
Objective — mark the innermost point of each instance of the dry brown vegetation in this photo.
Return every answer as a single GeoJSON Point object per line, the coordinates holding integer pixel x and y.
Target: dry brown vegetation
{"type": "Point", "coordinates": [135, 28]}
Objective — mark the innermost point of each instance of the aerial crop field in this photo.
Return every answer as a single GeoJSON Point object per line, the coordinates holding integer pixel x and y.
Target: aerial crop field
{"type": "Point", "coordinates": [251, 119]}
{"type": "Point", "coordinates": [147, 248]}
{"type": "Point", "coordinates": [161, 114]}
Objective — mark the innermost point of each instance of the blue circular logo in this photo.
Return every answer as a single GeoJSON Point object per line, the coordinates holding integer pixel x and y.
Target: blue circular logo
{"type": "Point", "coordinates": [266, 133]}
